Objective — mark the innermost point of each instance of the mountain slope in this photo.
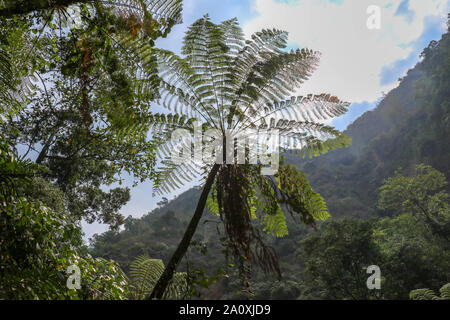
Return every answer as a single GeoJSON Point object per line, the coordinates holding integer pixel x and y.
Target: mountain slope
{"type": "Point", "coordinates": [411, 125]}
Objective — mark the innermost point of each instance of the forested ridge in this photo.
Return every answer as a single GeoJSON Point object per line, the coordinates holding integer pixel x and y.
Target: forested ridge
{"type": "Point", "coordinates": [410, 126]}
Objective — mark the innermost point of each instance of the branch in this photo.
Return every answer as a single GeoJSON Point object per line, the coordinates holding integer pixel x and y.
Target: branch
{"type": "Point", "coordinates": [22, 7]}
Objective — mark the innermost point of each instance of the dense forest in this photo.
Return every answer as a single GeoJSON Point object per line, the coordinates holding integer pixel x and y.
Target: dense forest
{"type": "Point", "coordinates": [78, 85]}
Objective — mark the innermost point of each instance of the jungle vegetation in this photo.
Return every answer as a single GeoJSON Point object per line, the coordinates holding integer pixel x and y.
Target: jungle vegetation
{"type": "Point", "coordinates": [377, 194]}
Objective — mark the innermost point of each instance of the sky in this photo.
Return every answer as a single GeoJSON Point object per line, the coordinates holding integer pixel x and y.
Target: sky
{"type": "Point", "coordinates": [357, 64]}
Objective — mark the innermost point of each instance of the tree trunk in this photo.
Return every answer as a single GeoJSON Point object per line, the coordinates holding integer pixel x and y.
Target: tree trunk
{"type": "Point", "coordinates": [167, 275]}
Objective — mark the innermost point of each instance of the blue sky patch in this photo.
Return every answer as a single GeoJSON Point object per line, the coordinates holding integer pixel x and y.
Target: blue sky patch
{"type": "Point", "coordinates": [354, 112]}
{"type": "Point", "coordinates": [433, 31]}
{"type": "Point", "coordinates": [404, 10]}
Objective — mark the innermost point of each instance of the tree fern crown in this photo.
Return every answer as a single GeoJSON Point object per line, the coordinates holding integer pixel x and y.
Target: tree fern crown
{"type": "Point", "coordinates": [238, 86]}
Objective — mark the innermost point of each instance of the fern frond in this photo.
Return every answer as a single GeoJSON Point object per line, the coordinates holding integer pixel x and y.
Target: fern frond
{"type": "Point", "coordinates": [305, 109]}
{"type": "Point", "coordinates": [6, 78]}
{"type": "Point", "coordinates": [160, 122]}
{"type": "Point", "coordinates": [445, 292]}
{"type": "Point", "coordinates": [170, 176]}
{"type": "Point", "coordinates": [179, 76]}
{"type": "Point", "coordinates": [427, 294]}
{"type": "Point", "coordinates": [275, 223]}
{"type": "Point", "coordinates": [211, 203]}
{"type": "Point", "coordinates": [423, 294]}
{"type": "Point", "coordinates": [274, 78]}
{"type": "Point", "coordinates": [145, 273]}
{"type": "Point", "coordinates": [296, 192]}
{"type": "Point", "coordinates": [162, 10]}
{"type": "Point", "coordinates": [315, 147]}
{"type": "Point", "coordinates": [178, 101]}
{"type": "Point", "coordinates": [208, 49]}
{"type": "Point", "coordinates": [255, 51]}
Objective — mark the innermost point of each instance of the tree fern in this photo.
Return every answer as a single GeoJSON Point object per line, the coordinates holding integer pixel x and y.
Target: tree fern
{"type": "Point", "coordinates": [243, 90]}
{"type": "Point", "coordinates": [229, 83]}
{"type": "Point", "coordinates": [275, 223]}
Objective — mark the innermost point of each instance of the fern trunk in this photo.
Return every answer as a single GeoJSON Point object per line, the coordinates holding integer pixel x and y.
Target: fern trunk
{"type": "Point", "coordinates": [166, 277]}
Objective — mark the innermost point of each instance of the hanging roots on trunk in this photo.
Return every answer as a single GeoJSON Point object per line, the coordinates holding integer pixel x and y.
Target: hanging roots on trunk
{"type": "Point", "coordinates": [234, 192]}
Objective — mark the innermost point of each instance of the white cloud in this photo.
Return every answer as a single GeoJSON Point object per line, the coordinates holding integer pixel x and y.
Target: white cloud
{"type": "Point", "coordinates": [352, 55]}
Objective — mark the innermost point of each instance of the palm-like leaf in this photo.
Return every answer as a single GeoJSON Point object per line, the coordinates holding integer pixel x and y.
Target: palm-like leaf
{"type": "Point", "coordinates": [145, 272]}
{"type": "Point", "coordinates": [427, 294]}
